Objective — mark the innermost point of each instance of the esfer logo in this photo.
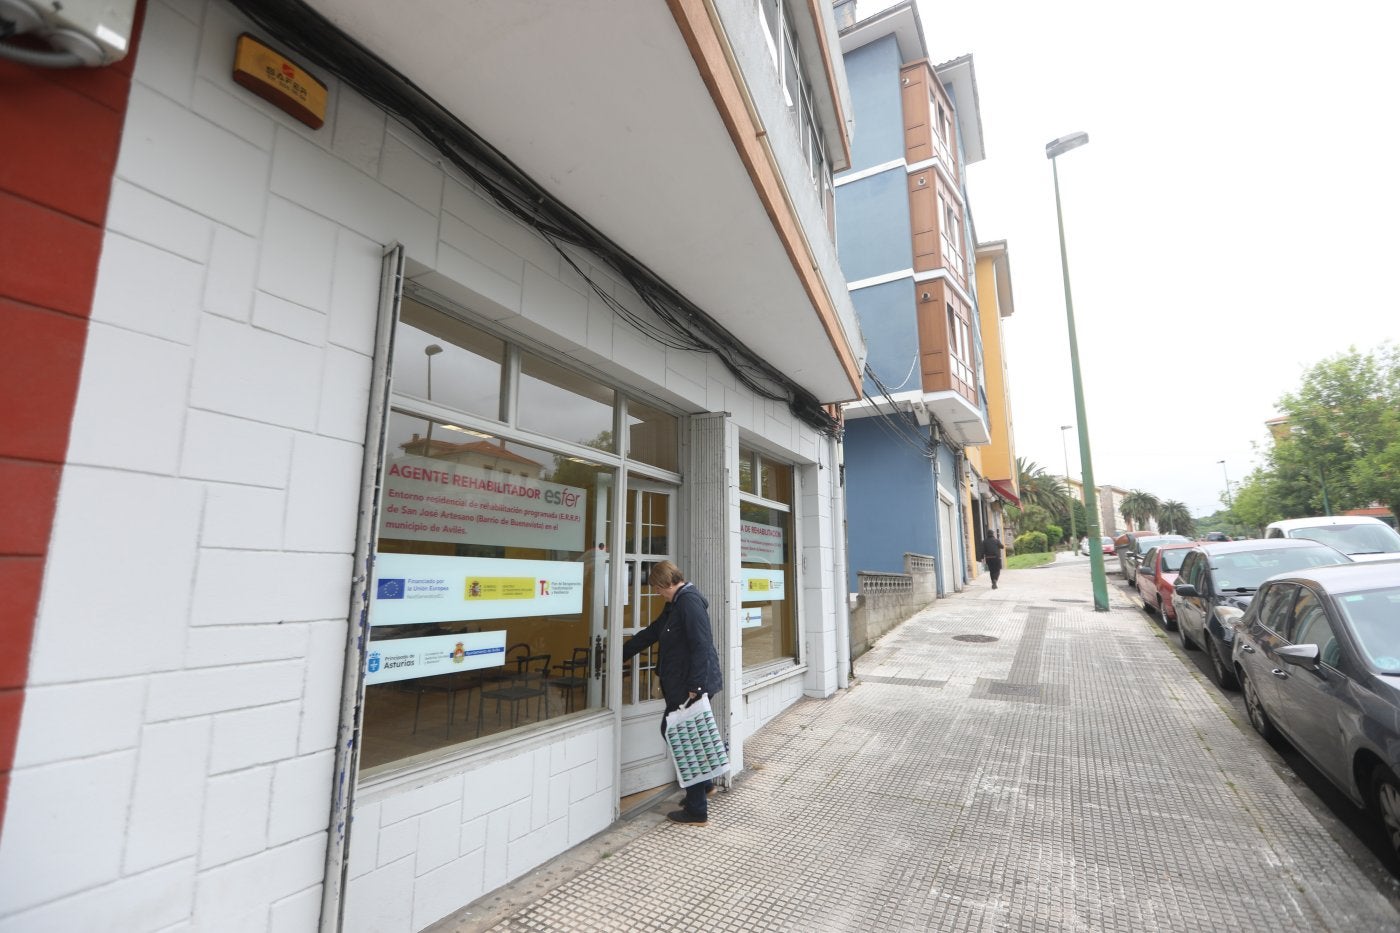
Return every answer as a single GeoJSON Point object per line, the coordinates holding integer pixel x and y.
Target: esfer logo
{"type": "Point", "coordinates": [390, 588]}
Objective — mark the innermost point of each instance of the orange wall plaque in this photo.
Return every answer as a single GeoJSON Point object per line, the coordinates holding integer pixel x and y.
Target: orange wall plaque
{"type": "Point", "coordinates": [279, 81]}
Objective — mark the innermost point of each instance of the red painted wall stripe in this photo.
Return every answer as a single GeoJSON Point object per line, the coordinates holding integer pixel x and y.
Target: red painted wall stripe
{"type": "Point", "coordinates": [62, 129]}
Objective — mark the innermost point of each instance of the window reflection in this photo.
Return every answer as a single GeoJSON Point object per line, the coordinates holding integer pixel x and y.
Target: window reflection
{"type": "Point", "coordinates": [565, 404]}
{"type": "Point", "coordinates": [439, 358]}
{"type": "Point", "coordinates": [652, 435]}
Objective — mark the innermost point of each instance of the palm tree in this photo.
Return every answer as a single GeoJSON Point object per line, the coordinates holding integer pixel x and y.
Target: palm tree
{"type": "Point", "coordinates": [1039, 487]}
{"type": "Point", "coordinates": [1138, 508]}
{"type": "Point", "coordinates": [1175, 518]}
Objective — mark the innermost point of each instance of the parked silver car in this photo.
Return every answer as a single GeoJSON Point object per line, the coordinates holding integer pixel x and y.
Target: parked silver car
{"type": "Point", "coordinates": [1318, 657]}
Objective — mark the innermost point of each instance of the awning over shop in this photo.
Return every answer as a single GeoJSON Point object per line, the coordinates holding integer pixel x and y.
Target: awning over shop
{"type": "Point", "coordinates": [1002, 487]}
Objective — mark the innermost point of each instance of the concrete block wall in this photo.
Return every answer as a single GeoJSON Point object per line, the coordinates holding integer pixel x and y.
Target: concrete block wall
{"type": "Point", "coordinates": [184, 683]}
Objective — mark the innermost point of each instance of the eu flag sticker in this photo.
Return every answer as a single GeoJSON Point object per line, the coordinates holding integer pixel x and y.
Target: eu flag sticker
{"type": "Point", "coordinates": [390, 589]}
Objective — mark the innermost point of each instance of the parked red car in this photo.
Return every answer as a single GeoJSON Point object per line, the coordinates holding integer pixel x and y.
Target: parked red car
{"type": "Point", "coordinates": [1156, 579]}
{"type": "Point", "coordinates": [1105, 541]}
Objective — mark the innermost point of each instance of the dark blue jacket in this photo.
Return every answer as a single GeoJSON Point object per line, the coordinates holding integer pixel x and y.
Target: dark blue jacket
{"type": "Point", "coordinates": [688, 660]}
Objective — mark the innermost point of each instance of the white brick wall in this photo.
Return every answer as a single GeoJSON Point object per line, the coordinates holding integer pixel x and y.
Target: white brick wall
{"type": "Point", "coordinates": [419, 853]}
{"type": "Point", "coordinates": [185, 675]}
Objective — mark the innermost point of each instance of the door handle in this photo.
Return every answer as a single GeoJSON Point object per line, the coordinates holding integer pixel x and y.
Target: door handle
{"type": "Point", "coordinates": [1247, 649]}
{"type": "Point", "coordinates": [1280, 674]}
{"type": "Point", "coordinates": [598, 657]}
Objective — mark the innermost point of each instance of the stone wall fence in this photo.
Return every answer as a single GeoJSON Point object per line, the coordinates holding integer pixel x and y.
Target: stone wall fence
{"type": "Point", "coordinates": [884, 600]}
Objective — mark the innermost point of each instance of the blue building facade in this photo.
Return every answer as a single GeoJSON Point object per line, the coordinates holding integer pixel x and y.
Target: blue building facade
{"type": "Point", "coordinates": [906, 248]}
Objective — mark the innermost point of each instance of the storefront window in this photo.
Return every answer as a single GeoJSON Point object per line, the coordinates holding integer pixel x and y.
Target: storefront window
{"type": "Point", "coordinates": [651, 436]}
{"type": "Point", "coordinates": [489, 590]}
{"type": "Point", "coordinates": [439, 358]}
{"type": "Point", "coordinates": [565, 404]}
{"type": "Point", "coordinates": [768, 617]}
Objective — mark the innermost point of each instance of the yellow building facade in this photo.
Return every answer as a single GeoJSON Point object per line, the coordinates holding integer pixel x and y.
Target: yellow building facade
{"type": "Point", "coordinates": [992, 482]}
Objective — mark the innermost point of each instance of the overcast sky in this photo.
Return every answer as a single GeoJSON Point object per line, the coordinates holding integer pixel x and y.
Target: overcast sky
{"type": "Point", "coordinates": [1232, 221]}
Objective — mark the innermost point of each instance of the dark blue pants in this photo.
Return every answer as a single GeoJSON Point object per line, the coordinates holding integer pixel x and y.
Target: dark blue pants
{"type": "Point", "coordinates": [697, 799]}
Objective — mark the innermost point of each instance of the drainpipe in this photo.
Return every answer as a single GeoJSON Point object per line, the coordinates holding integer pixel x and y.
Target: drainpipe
{"type": "Point", "coordinates": [837, 478]}
{"type": "Point", "coordinates": [937, 528]}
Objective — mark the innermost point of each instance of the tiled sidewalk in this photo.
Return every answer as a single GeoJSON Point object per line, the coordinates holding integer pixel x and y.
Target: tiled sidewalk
{"type": "Point", "coordinates": [1071, 774]}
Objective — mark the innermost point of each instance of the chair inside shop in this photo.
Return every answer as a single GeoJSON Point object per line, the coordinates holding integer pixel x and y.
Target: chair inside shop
{"type": "Point", "coordinates": [448, 685]}
{"type": "Point", "coordinates": [573, 674]}
{"type": "Point", "coordinates": [528, 682]}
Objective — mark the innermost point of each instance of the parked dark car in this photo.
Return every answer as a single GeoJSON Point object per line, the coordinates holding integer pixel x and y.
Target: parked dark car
{"type": "Point", "coordinates": [1156, 579]}
{"type": "Point", "coordinates": [1130, 554]}
{"type": "Point", "coordinates": [1318, 656]}
{"type": "Point", "coordinates": [1217, 582]}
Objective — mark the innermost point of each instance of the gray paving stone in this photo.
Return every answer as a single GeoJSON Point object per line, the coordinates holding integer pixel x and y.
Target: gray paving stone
{"type": "Point", "coordinates": [1072, 775]}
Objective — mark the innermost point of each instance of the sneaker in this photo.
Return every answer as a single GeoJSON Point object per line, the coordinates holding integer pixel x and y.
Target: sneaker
{"type": "Point", "coordinates": [994, 586]}
{"type": "Point", "coordinates": [685, 816]}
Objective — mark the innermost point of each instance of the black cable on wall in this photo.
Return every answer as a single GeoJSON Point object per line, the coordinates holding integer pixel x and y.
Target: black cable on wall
{"type": "Point", "coordinates": [686, 326]}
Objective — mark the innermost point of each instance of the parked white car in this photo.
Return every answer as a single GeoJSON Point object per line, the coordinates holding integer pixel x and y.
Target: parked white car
{"type": "Point", "coordinates": [1360, 537]}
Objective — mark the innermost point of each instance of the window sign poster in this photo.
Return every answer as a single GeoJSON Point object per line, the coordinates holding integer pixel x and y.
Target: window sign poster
{"type": "Point", "coordinates": [435, 500]}
{"type": "Point", "coordinates": [408, 658]}
{"type": "Point", "coordinates": [750, 618]}
{"type": "Point", "coordinates": [760, 543]}
{"type": "Point", "coordinates": [413, 588]}
{"type": "Point", "coordinates": [758, 585]}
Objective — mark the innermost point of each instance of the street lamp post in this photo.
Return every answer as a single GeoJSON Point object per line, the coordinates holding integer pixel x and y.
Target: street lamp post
{"type": "Point", "coordinates": [1073, 535]}
{"type": "Point", "coordinates": [430, 351]}
{"type": "Point", "coordinates": [1229, 497]}
{"type": "Point", "coordinates": [1053, 150]}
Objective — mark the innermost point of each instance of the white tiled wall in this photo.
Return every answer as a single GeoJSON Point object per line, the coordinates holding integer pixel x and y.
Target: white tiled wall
{"type": "Point", "coordinates": [418, 854]}
{"type": "Point", "coordinates": [174, 763]}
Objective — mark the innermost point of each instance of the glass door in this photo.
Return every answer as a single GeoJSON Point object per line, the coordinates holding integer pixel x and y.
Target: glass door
{"type": "Point", "coordinates": [649, 536]}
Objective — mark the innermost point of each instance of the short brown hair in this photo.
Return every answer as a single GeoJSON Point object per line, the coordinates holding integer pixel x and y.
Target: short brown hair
{"type": "Point", "coordinates": [664, 574]}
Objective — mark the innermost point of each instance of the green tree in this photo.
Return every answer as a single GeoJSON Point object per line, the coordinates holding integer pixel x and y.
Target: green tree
{"type": "Point", "coordinates": [1377, 473]}
{"type": "Point", "coordinates": [1175, 518]}
{"type": "Point", "coordinates": [1256, 501]}
{"type": "Point", "coordinates": [1039, 487]}
{"type": "Point", "coordinates": [1342, 425]}
{"type": "Point", "coordinates": [1139, 508]}
{"type": "Point", "coordinates": [1033, 518]}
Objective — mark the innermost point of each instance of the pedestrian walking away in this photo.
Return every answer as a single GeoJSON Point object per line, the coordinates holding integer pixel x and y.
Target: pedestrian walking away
{"type": "Point", "coordinates": [688, 666]}
{"type": "Point", "coordinates": [991, 553]}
